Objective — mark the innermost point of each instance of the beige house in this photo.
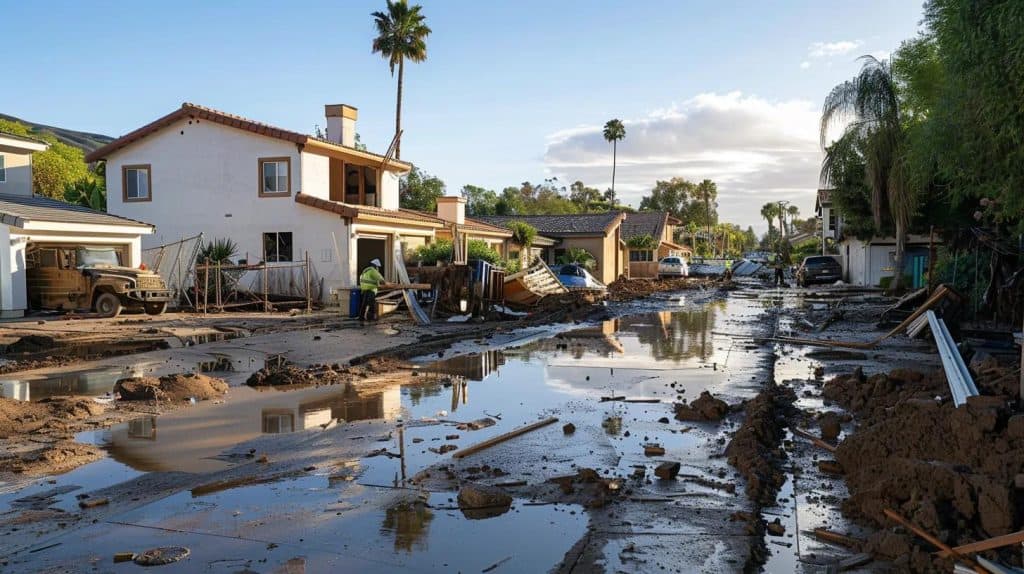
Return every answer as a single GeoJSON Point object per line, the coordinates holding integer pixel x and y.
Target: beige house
{"type": "Point", "coordinates": [661, 227]}
{"type": "Point", "coordinates": [600, 234]}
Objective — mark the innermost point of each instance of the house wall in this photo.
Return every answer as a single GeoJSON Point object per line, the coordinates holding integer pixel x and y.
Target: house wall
{"type": "Point", "coordinates": [604, 251]}
{"type": "Point", "coordinates": [867, 263]}
{"type": "Point", "coordinates": [18, 170]}
{"type": "Point", "coordinates": [13, 296]}
{"type": "Point", "coordinates": [205, 179]}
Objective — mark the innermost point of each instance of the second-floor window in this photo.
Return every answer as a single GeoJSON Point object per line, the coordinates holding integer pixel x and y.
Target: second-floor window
{"type": "Point", "coordinates": [277, 246]}
{"type": "Point", "coordinates": [275, 176]}
{"type": "Point", "coordinates": [137, 183]}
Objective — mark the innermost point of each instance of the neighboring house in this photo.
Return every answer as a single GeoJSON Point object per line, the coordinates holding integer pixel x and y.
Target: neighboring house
{"type": "Point", "coordinates": [659, 225]}
{"type": "Point", "coordinates": [27, 221]}
{"type": "Point", "coordinates": [451, 210]}
{"type": "Point", "coordinates": [279, 194]}
{"type": "Point", "coordinates": [870, 262]}
{"type": "Point", "coordinates": [600, 234]}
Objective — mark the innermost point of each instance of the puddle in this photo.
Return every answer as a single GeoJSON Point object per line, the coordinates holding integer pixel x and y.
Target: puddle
{"type": "Point", "coordinates": [89, 383]}
{"type": "Point", "coordinates": [93, 351]}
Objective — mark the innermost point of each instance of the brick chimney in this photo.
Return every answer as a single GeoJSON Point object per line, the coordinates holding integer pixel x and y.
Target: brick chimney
{"type": "Point", "coordinates": [341, 123]}
{"type": "Point", "coordinates": [452, 208]}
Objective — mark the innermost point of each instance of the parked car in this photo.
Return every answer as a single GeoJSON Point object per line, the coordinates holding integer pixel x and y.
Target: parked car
{"type": "Point", "coordinates": [818, 269]}
{"type": "Point", "coordinates": [77, 277]}
{"type": "Point", "coordinates": [575, 276]}
{"type": "Point", "coordinates": [673, 267]}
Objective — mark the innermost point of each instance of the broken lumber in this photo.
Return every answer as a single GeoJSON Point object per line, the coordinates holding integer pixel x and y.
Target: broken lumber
{"type": "Point", "coordinates": [895, 516]}
{"type": "Point", "coordinates": [809, 436]}
{"type": "Point", "coordinates": [837, 538]}
{"type": "Point", "coordinates": [990, 544]}
{"type": "Point", "coordinates": [503, 437]}
{"type": "Point", "coordinates": [403, 286]}
{"type": "Point", "coordinates": [854, 561]}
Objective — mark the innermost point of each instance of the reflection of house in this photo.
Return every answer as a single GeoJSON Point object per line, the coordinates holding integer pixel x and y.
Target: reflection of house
{"type": "Point", "coordinates": [27, 220]}
{"type": "Point", "coordinates": [473, 367]}
{"type": "Point", "coordinates": [660, 226]}
{"type": "Point", "coordinates": [870, 262]}
{"type": "Point", "coordinates": [347, 406]}
{"type": "Point", "coordinates": [598, 233]}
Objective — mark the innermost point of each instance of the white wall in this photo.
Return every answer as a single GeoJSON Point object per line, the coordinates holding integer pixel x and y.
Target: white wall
{"type": "Point", "coordinates": [389, 190]}
{"type": "Point", "coordinates": [17, 172]}
{"type": "Point", "coordinates": [205, 179]}
{"type": "Point", "coordinates": [316, 175]}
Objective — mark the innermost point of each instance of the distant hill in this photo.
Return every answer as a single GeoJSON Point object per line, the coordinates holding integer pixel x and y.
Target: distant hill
{"type": "Point", "coordinates": [87, 142]}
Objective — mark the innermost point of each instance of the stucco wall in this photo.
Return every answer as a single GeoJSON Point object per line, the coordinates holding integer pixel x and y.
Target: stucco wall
{"type": "Point", "coordinates": [205, 179]}
{"type": "Point", "coordinates": [18, 170]}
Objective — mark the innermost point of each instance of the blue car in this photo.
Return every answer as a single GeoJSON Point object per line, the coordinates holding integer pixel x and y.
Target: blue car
{"type": "Point", "coordinates": [575, 276]}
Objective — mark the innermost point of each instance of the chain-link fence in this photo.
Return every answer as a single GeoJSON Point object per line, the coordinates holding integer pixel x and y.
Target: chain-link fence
{"type": "Point", "coordinates": [175, 262]}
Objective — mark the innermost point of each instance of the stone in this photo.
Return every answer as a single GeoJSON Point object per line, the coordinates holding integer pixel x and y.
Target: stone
{"type": "Point", "coordinates": [830, 427]}
{"type": "Point", "coordinates": [667, 470]}
{"type": "Point", "coordinates": [775, 528]}
{"type": "Point", "coordinates": [653, 450]}
{"type": "Point", "coordinates": [477, 501]}
{"type": "Point", "coordinates": [705, 408]}
{"type": "Point", "coordinates": [568, 428]}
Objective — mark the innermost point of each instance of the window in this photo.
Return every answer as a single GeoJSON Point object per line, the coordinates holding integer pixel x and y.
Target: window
{"type": "Point", "coordinates": [359, 185]}
{"type": "Point", "coordinates": [275, 176]}
{"type": "Point", "coordinates": [641, 255]}
{"type": "Point", "coordinates": [831, 220]}
{"type": "Point", "coordinates": [3, 169]}
{"type": "Point", "coordinates": [370, 186]}
{"type": "Point", "coordinates": [277, 246]}
{"type": "Point", "coordinates": [352, 184]}
{"type": "Point", "coordinates": [136, 183]}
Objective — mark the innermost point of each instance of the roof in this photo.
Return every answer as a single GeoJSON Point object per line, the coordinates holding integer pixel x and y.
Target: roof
{"type": "Point", "coordinates": [824, 198]}
{"type": "Point", "coordinates": [645, 223]}
{"type": "Point", "coordinates": [560, 225]}
{"type": "Point", "coordinates": [191, 111]}
{"type": "Point", "coordinates": [16, 210]}
{"type": "Point", "coordinates": [33, 144]}
{"type": "Point", "coordinates": [353, 211]}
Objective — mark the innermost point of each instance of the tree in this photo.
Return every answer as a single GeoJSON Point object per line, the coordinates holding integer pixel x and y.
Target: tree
{"type": "Point", "coordinates": [87, 192]}
{"type": "Point", "coordinates": [523, 234]}
{"type": "Point", "coordinates": [643, 242]}
{"type": "Point", "coordinates": [401, 35]}
{"type": "Point", "coordinates": [579, 256]}
{"type": "Point", "coordinates": [613, 132]}
{"type": "Point", "coordinates": [55, 168]}
{"type": "Point", "coordinates": [480, 201]}
{"type": "Point", "coordinates": [587, 198]}
{"type": "Point", "coordinates": [707, 192]}
{"type": "Point", "coordinates": [792, 211]}
{"type": "Point", "coordinates": [769, 211]}
{"type": "Point", "coordinates": [869, 107]}
{"type": "Point", "coordinates": [419, 190]}
{"type": "Point", "coordinates": [672, 196]}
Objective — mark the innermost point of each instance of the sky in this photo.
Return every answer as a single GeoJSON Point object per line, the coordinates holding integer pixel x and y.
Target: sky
{"type": "Point", "coordinates": [510, 92]}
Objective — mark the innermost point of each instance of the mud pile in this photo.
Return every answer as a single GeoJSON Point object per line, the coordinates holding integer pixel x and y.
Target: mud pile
{"type": "Point", "coordinates": [32, 344]}
{"type": "Point", "coordinates": [22, 417]}
{"type": "Point", "coordinates": [289, 374]}
{"type": "Point", "coordinates": [177, 387]}
{"type": "Point", "coordinates": [952, 471]}
{"type": "Point", "coordinates": [755, 448]}
{"type": "Point", "coordinates": [705, 408]}
{"type": "Point", "coordinates": [55, 458]}
{"type": "Point", "coordinates": [623, 289]}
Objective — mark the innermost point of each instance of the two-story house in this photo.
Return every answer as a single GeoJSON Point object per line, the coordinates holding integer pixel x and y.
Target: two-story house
{"type": "Point", "coordinates": [28, 222]}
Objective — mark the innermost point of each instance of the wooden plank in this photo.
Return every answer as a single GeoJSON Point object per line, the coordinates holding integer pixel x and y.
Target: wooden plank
{"type": "Point", "coordinates": [990, 544]}
{"type": "Point", "coordinates": [895, 516]}
{"type": "Point", "coordinates": [854, 561]}
{"type": "Point", "coordinates": [503, 437]}
{"type": "Point", "coordinates": [837, 538]}
{"type": "Point", "coordinates": [400, 286]}
{"type": "Point", "coordinates": [809, 436]}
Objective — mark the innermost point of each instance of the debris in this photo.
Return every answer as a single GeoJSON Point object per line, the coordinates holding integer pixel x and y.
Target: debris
{"type": "Point", "coordinates": [775, 528]}
{"type": "Point", "coordinates": [851, 562]}
{"type": "Point", "coordinates": [961, 385]}
{"type": "Point", "coordinates": [496, 564]}
{"type": "Point", "coordinates": [830, 467]}
{"type": "Point", "coordinates": [705, 408]}
{"type": "Point", "coordinates": [477, 424]}
{"type": "Point", "coordinates": [895, 516]}
{"type": "Point", "coordinates": [754, 451]}
{"type": "Point", "coordinates": [837, 538]}
{"type": "Point", "coordinates": [568, 428]}
{"type": "Point", "coordinates": [667, 470]}
{"type": "Point", "coordinates": [991, 543]}
{"type": "Point", "coordinates": [161, 556]}
{"type": "Point", "coordinates": [93, 502]}
{"type": "Point", "coordinates": [830, 426]}
{"type": "Point", "coordinates": [503, 437]}
{"type": "Point", "coordinates": [810, 436]}
{"type": "Point", "coordinates": [123, 557]}
{"type": "Point", "coordinates": [445, 448]}
{"type": "Point", "coordinates": [653, 450]}
{"type": "Point", "coordinates": [177, 387]}
{"type": "Point", "coordinates": [478, 501]}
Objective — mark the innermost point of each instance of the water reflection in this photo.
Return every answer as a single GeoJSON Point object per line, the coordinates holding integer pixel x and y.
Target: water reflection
{"type": "Point", "coordinates": [89, 383]}
{"type": "Point", "coordinates": [409, 523]}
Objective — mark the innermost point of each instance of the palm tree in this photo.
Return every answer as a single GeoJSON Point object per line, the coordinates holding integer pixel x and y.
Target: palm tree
{"type": "Point", "coordinates": [613, 132]}
{"type": "Point", "coordinates": [793, 212]}
{"type": "Point", "coordinates": [707, 192]}
{"type": "Point", "coordinates": [769, 211]}
{"type": "Point", "coordinates": [869, 107]}
{"type": "Point", "coordinates": [401, 35]}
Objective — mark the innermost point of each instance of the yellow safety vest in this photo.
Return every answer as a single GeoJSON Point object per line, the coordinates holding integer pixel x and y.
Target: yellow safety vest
{"type": "Point", "coordinates": [370, 279]}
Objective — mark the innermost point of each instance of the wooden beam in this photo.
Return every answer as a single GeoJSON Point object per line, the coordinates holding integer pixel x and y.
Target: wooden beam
{"type": "Point", "coordinates": [991, 543]}
{"type": "Point", "coordinates": [503, 437]}
{"type": "Point", "coordinates": [895, 516]}
{"type": "Point", "coordinates": [817, 441]}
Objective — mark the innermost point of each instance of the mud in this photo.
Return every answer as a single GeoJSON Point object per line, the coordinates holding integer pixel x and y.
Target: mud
{"type": "Point", "coordinates": [623, 289]}
{"type": "Point", "coordinates": [705, 408]}
{"type": "Point", "coordinates": [20, 417]}
{"type": "Point", "coordinates": [177, 387]}
{"type": "Point", "coordinates": [949, 470]}
{"type": "Point", "coordinates": [754, 450]}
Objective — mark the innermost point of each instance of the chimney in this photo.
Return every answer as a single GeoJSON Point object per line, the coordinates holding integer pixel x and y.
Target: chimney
{"type": "Point", "coordinates": [341, 124]}
{"type": "Point", "coordinates": [452, 208]}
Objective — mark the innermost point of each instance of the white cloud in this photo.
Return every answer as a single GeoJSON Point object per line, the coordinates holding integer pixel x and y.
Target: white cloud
{"type": "Point", "coordinates": [804, 65]}
{"type": "Point", "coordinates": [755, 149]}
{"type": "Point", "coordinates": [830, 49]}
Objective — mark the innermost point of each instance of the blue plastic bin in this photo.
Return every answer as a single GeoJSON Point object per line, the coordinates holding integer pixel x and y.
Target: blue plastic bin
{"type": "Point", "coordinates": [353, 303]}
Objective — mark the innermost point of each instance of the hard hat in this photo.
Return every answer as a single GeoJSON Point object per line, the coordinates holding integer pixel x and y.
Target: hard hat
{"type": "Point", "coordinates": [375, 262]}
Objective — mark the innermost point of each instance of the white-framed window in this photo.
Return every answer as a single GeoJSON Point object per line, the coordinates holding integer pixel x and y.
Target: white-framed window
{"type": "Point", "coordinates": [277, 246]}
{"type": "Point", "coordinates": [275, 176]}
{"type": "Point", "coordinates": [3, 169]}
{"type": "Point", "coordinates": [137, 183]}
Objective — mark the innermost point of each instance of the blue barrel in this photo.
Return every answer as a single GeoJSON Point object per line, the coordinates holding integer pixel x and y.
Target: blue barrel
{"type": "Point", "coordinates": [353, 303]}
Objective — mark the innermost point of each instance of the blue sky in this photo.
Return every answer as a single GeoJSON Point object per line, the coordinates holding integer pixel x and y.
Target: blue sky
{"type": "Point", "coordinates": [511, 91]}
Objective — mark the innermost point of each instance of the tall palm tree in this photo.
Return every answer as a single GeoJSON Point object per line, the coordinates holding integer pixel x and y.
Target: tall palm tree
{"type": "Point", "coordinates": [793, 212]}
{"type": "Point", "coordinates": [613, 132]}
{"type": "Point", "coordinates": [401, 36]}
{"type": "Point", "coordinates": [868, 107]}
{"type": "Point", "coordinates": [769, 211]}
{"type": "Point", "coordinates": [706, 191]}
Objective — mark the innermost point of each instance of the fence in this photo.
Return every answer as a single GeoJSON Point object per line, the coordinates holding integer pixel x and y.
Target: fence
{"type": "Point", "coordinates": [175, 262]}
{"type": "Point", "coordinates": [220, 286]}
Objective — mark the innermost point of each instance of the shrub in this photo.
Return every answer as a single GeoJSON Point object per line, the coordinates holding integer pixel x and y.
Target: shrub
{"type": "Point", "coordinates": [645, 241]}
{"type": "Point", "coordinates": [579, 256]}
{"type": "Point", "coordinates": [431, 253]}
{"type": "Point", "coordinates": [478, 249]}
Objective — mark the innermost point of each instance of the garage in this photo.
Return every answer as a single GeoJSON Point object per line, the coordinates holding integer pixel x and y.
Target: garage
{"type": "Point", "coordinates": [38, 231]}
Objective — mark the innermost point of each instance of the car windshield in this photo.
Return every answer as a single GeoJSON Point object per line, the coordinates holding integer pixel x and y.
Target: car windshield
{"type": "Point", "coordinates": [819, 261]}
{"type": "Point", "coordinates": [670, 260]}
{"type": "Point", "coordinates": [92, 257]}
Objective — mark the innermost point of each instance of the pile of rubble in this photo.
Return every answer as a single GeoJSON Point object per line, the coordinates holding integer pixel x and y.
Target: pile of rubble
{"type": "Point", "coordinates": [623, 289]}
{"type": "Point", "coordinates": [176, 387]}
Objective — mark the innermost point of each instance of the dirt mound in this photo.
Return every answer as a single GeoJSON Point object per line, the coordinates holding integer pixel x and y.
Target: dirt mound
{"type": "Point", "coordinates": [705, 408]}
{"type": "Point", "coordinates": [23, 417]}
{"type": "Point", "coordinates": [949, 470]}
{"type": "Point", "coordinates": [754, 449]}
{"type": "Point", "coordinates": [623, 289]}
{"type": "Point", "coordinates": [52, 459]}
{"type": "Point", "coordinates": [177, 387]}
{"type": "Point", "coordinates": [32, 344]}
{"type": "Point", "coordinates": [294, 375]}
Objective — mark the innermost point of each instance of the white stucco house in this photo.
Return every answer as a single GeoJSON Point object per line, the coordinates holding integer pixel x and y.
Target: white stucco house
{"type": "Point", "coordinates": [28, 221]}
{"type": "Point", "coordinates": [278, 194]}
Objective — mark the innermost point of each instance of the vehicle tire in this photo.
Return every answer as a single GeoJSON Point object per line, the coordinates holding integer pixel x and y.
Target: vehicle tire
{"type": "Point", "coordinates": [108, 305]}
{"type": "Point", "coordinates": [155, 308]}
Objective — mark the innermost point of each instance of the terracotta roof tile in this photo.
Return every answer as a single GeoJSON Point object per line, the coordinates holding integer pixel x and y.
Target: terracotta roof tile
{"type": "Point", "coordinates": [559, 225]}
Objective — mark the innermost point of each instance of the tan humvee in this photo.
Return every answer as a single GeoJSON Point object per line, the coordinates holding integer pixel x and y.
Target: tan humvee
{"type": "Point", "coordinates": [79, 277]}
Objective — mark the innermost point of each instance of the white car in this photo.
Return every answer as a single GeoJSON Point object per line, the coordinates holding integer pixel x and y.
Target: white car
{"type": "Point", "coordinates": [673, 267]}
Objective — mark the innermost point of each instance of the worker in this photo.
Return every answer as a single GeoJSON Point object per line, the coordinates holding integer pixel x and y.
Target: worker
{"type": "Point", "coordinates": [779, 275]}
{"type": "Point", "coordinates": [369, 281]}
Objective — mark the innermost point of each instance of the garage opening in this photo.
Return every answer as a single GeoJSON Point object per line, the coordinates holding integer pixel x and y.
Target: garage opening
{"type": "Point", "coordinates": [369, 248]}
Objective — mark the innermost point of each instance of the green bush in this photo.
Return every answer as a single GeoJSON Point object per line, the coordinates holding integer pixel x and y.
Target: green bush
{"type": "Point", "coordinates": [478, 249]}
{"type": "Point", "coordinates": [513, 265]}
{"type": "Point", "coordinates": [645, 241]}
{"type": "Point", "coordinates": [523, 233]}
{"type": "Point", "coordinates": [579, 256]}
{"type": "Point", "coordinates": [431, 253]}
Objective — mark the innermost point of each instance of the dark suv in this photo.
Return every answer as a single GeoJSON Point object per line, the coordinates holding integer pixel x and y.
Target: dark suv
{"type": "Point", "coordinates": [818, 269]}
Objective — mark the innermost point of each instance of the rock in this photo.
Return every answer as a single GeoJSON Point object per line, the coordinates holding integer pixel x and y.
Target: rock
{"type": "Point", "coordinates": [443, 448]}
{"type": "Point", "coordinates": [161, 556]}
{"type": "Point", "coordinates": [477, 501]}
{"type": "Point", "coordinates": [705, 408]}
{"type": "Point", "coordinates": [477, 424]}
{"type": "Point", "coordinates": [667, 470]}
{"type": "Point", "coordinates": [830, 426]}
{"type": "Point", "coordinates": [663, 420]}
{"type": "Point", "coordinates": [568, 428]}
{"type": "Point", "coordinates": [830, 467]}
{"type": "Point", "coordinates": [775, 528]}
{"type": "Point", "coordinates": [653, 450]}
